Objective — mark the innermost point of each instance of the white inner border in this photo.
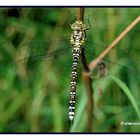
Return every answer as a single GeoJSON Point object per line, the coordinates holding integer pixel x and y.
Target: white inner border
{"type": "Point", "coordinates": [69, 137]}
{"type": "Point", "coordinates": [70, 3]}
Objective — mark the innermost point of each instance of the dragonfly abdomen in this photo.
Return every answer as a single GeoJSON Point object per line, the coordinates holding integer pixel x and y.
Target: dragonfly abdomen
{"type": "Point", "coordinates": [76, 53]}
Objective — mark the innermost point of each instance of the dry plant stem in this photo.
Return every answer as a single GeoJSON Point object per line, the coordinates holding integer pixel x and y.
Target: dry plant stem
{"type": "Point", "coordinates": [80, 14]}
{"type": "Point", "coordinates": [86, 79]}
{"type": "Point", "coordinates": [93, 64]}
{"type": "Point", "coordinates": [84, 62]}
{"type": "Point", "coordinates": [90, 104]}
{"type": "Point", "coordinates": [89, 91]}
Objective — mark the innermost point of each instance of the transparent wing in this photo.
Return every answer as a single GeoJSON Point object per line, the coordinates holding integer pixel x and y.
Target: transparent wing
{"type": "Point", "coordinates": [61, 50]}
{"type": "Point", "coordinates": [112, 59]}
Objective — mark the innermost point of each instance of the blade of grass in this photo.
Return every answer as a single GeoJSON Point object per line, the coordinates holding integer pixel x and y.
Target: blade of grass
{"type": "Point", "coordinates": [127, 92]}
{"type": "Point", "coordinates": [79, 112]}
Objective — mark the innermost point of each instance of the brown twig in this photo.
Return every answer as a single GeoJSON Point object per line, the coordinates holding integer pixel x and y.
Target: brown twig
{"type": "Point", "coordinates": [93, 64]}
{"type": "Point", "coordinates": [86, 79]}
{"type": "Point", "coordinates": [89, 91]}
{"type": "Point", "coordinates": [80, 14]}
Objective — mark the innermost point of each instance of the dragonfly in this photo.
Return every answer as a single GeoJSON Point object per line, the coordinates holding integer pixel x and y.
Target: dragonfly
{"type": "Point", "coordinates": [76, 43]}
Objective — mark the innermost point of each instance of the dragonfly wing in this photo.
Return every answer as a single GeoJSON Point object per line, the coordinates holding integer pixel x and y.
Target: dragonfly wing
{"type": "Point", "coordinates": [91, 55]}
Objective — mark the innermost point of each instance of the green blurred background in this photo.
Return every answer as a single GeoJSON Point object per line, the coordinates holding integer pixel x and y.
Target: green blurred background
{"type": "Point", "coordinates": [34, 95]}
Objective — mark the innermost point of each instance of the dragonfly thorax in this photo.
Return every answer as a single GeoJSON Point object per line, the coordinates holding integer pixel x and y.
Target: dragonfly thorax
{"type": "Point", "coordinates": [78, 35]}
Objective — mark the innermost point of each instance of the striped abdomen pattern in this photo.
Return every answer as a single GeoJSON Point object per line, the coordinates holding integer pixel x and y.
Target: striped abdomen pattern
{"type": "Point", "coordinates": [75, 55]}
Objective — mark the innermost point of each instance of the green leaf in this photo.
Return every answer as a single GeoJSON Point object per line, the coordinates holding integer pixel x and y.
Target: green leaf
{"type": "Point", "coordinates": [128, 93]}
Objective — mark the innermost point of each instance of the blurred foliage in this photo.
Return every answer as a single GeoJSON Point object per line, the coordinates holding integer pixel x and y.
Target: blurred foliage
{"type": "Point", "coordinates": [34, 95]}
